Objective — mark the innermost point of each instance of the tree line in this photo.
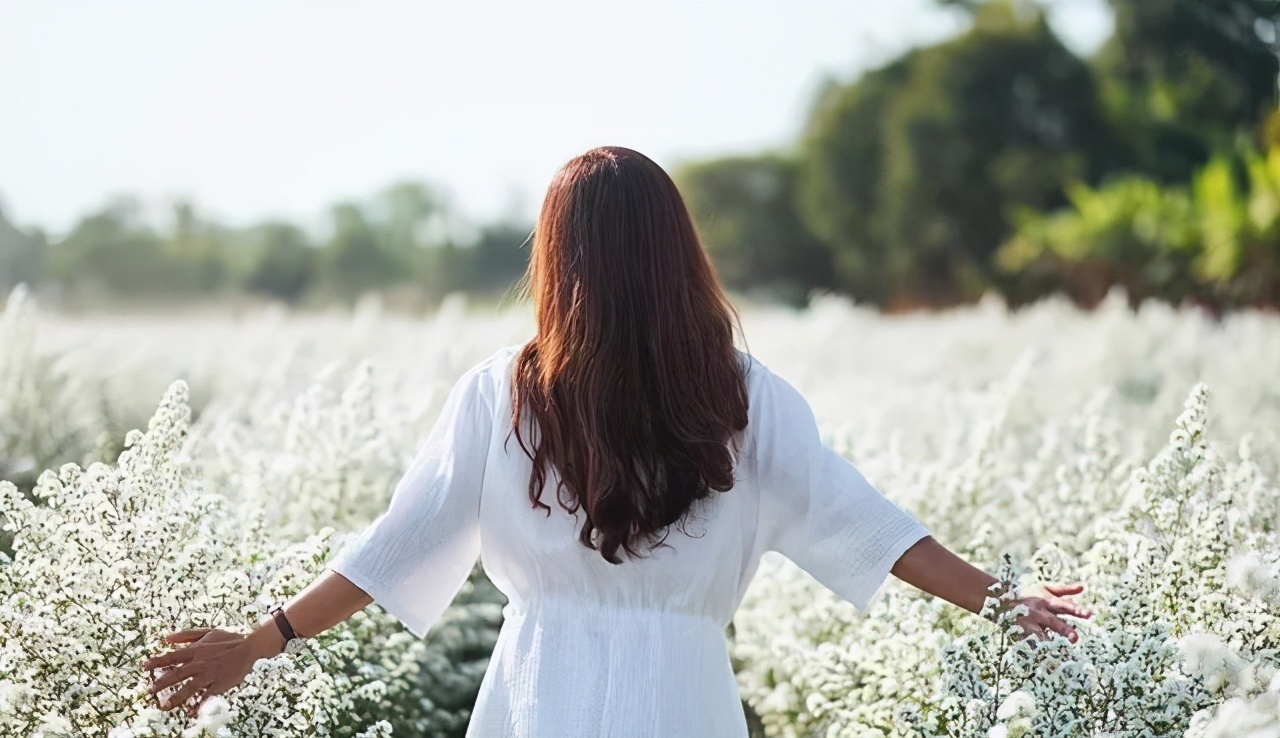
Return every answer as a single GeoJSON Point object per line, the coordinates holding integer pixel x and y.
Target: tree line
{"type": "Point", "coordinates": [997, 160]}
{"type": "Point", "coordinates": [404, 239]}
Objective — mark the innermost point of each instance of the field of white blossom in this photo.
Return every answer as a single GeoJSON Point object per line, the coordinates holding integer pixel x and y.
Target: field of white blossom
{"type": "Point", "coordinates": [166, 471]}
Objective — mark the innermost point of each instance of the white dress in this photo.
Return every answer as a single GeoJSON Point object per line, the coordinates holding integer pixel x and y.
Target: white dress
{"type": "Point", "coordinates": [590, 649]}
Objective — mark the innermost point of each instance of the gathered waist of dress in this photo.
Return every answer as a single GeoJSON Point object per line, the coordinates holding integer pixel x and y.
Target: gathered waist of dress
{"type": "Point", "coordinates": [574, 667]}
{"type": "Point", "coordinates": [586, 611]}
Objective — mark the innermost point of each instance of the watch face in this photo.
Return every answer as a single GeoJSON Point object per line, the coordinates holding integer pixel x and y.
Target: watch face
{"type": "Point", "coordinates": [294, 645]}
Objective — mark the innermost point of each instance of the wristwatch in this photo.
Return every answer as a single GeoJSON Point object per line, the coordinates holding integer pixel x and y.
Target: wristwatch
{"type": "Point", "coordinates": [293, 643]}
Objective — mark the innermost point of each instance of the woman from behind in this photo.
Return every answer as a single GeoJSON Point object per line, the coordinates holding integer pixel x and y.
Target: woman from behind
{"type": "Point", "coordinates": [619, 476]}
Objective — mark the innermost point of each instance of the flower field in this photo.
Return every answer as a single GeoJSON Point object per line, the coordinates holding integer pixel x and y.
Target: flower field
{"type": "Point", "coordinates": [164, 473]}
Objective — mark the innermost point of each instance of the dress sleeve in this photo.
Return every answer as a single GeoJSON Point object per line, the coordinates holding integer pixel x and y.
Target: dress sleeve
{"type": "Point", "coordinates": [816, 508]}
{"type": "Point", "coordinates": [415, 557]}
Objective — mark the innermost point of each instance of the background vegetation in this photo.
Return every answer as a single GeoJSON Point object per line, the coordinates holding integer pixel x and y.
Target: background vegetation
{"type": "Point", "coordinates": [997, 160]}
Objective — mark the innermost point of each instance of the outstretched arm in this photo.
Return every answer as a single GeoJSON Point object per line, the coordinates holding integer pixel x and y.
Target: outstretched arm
{"type": "Point", "coordinates": [931, 567]}
{"type": "Point", "coordinates": [218, 660]}
{"type": "Point", "coordinates": [412, 560]}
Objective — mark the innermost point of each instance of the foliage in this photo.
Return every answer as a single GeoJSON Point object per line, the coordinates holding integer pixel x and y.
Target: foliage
{"type": "Point", "coordinates": [748, 220]}
{"type": "Point", "coordinates": [1217, 240]}
{"type": "Point", "coordinates": [1182, 78]}
{"type": "Point", "coordinates": [285, 265]}
{"type": "Point", "coordinates": [23, 257]}
{"type": "Point", "coordinates": [912, 175]}
{"type": "Point", "coordinates": [902, 188]}
{"type": "Point", "coordinates": [403, 238]}
{"type": "Point", "coordinates": [1019, 112]}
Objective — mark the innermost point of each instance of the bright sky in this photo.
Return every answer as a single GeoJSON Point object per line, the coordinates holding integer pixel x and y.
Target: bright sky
{"type": "Point", "coordinates": [274, 108]}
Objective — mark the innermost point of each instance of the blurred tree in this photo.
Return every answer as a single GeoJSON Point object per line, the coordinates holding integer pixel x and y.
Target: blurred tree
{"type": "Point", "coordinates": [499, 257]}
{"type": "Point", "coordinates": [354, 260]}
{"type": "Point", "coordinates": [1128, 170]}
{"type": "Point", "coordinates": [839, 187]}
{"type": "Point", "coordinates": [1130, 232]}
{"type": "Point", "coordinates": [747, 215]}
{"type": "Point", "coordinates": [23, 256]}
{"type": "Point", "coordinates": [1256, 251]}
{"type": "Point", "coordinates": [1183, 78]}
{"type": "Point", "coordinates": [399, 213]}
{"type": "Point", "coordinates": [970, 6]}
{"type": "Point", "coordinates": [1216, 241]}
{"type": "Point", "coordinates": [1271, 130]}
{"type": "Point", "coordinates": [911, 172]}
{"type": "Point", "coordinates": [200, 244]}
{"type": "Point", "coordinates": [286, 263]}
{"type": "Point", "coordinates": [113, 249]}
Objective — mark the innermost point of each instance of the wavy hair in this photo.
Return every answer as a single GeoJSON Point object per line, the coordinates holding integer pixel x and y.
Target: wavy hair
{"type": "Point", "coordinates": [632, 379]}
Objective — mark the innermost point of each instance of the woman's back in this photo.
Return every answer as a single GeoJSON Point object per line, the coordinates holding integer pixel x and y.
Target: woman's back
{"type": "Point", "coordinates": [635, 418]}
{"type": "Point", "coordinates": [590, 648]}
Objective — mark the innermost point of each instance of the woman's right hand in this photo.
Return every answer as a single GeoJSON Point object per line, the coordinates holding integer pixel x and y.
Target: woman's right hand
{"type": "Point", "coordinates": [216, 661]}
{"type": "Point", "coordinates": [1045, 606]}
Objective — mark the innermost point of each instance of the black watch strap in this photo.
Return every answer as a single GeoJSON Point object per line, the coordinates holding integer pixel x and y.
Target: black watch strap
{"type": "Point", "coordinates": [282, 623]}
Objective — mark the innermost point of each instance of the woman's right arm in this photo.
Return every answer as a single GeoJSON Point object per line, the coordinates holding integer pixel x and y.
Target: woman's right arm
{"type": "Point", "coordinates": [327, 601]}
{"type": "Point", "coordinates": [412, 560]}
{"type": "Point", "coordinates": [219, 660]}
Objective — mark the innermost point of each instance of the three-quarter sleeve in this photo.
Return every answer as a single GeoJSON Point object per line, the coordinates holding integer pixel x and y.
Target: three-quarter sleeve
{"type": "Point", "coordinates": [415, 557]}
{"type": "Point", "coordinates": [816, 508]}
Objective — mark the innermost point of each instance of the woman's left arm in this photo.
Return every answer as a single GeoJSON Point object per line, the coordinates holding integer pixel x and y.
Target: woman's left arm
{"type": "Point", "coordinates": [931, 567]}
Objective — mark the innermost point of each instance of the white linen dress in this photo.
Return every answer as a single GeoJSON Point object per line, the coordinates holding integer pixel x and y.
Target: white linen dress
{"type": "Point", "coordinates": [590, 649]}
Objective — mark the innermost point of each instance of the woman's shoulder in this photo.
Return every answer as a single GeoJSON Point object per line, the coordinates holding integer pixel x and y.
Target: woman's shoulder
{"type": "Point", "coordinates": [756, 373]}
{"type": "Point", "coordinates": [485, 379]}
{"type": "Point", "coordinates": [748, 361]}
{"type": "Point", "coordinates": [769, 394]}
{"type": "Point", "coordinates": [494, 365]}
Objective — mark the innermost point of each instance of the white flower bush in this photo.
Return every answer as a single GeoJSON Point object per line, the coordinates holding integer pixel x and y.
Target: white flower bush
{"type": "Point", "coordinates": [1179, 557]}
{"type": "Point", "coordinates": [1136, 452]}
{"type": "Point", "coordinates": [49, 413]}
{"type": "Point", "coordinates": [110, 558]}
{"type": "Point", "coordinates": [324, 458]}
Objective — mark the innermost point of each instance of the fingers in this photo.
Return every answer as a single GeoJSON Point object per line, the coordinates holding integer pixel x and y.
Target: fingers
{"type": "Point", "coordinates": [1059, 606]}
{"type": "Point", "coordinates": [1062, 590]}
{"type": "Point", "coordinates": [1041, 623]}
{"type": "Point", "coordinates": [186, 636]}
{"type": "Point", "coordinates": [173, 658]}
{"type": "Point", "coordinates": [172, 677]}
{"type": "Point", "coordinates": [1056, 625]}
{"type": "Point", "coordinates": [188, 691]}
{"type": "Point", "coordinates": [1033, 630]}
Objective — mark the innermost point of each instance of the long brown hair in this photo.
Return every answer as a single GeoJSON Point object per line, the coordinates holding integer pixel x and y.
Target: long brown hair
{"type": "Point", "coordinates": [633, 381]}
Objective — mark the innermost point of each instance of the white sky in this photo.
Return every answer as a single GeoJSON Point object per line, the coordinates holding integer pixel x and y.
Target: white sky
{"type": "Point", "coordinates": [279, 108]}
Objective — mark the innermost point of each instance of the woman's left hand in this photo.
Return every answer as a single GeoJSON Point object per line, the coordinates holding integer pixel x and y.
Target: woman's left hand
{"type": "Point", "coordinates": [216, 661]}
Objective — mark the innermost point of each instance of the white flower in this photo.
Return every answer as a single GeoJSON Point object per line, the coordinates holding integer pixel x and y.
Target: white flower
{"type": "Point", "coordinates": [1017, 704]}
{"type": "Point", "coordinates": [1084, 444]}
{"type": "Point", "coordinates": [1208, 657]}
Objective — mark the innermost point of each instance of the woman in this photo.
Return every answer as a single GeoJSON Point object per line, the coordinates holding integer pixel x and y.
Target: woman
{"type": "Point", "coordinates": [619, 476]}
